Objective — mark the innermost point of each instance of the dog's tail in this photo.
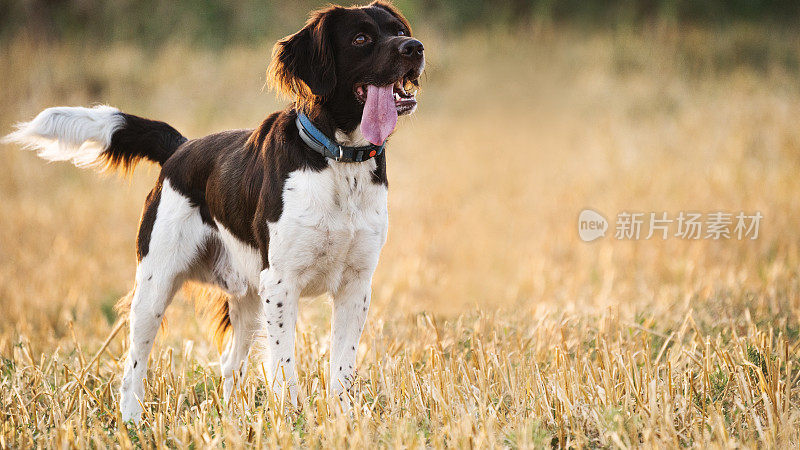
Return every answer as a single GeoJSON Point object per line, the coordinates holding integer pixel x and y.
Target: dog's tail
{"type": "Point", "coordinates": [102, 137]}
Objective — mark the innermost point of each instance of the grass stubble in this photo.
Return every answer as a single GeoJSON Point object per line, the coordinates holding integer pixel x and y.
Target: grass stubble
{"type": "Point", "coordinates": [491, 325]}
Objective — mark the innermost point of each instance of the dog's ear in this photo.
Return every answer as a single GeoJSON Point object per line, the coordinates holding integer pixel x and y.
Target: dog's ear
{"type": "Point", "coordinates": [303, 63]}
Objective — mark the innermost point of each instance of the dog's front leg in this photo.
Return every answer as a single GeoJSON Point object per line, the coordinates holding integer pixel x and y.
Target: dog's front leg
{"type": "Point", "coordinates": [281, 298]}
{"type": "Point", "coordinates": [350, 306]}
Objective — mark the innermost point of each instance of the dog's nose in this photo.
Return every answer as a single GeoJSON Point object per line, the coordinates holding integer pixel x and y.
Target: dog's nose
{"type": "Point", "coordinates": [411, 48]}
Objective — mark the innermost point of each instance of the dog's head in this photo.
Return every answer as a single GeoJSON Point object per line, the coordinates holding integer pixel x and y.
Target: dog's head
{"type": "Point", "coordinates": [359, 64]}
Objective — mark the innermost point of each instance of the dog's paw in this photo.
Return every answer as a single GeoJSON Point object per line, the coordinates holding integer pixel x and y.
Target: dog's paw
{"type": "Point", "coordinates": [131, 409]}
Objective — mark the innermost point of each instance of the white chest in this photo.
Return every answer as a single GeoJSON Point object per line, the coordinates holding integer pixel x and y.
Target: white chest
{"type": "Point", "coordinates": [333, 221]}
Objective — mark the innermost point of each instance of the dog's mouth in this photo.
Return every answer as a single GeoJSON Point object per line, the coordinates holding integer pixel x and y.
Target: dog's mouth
{"type": "Point", "coordinates": [382, 105]}
{"type": "Point", "coordinates": [404, 92]}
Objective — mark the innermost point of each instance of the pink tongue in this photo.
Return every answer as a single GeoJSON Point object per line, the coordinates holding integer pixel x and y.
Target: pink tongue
{"type": "Point", "coordinates": [380, 114]}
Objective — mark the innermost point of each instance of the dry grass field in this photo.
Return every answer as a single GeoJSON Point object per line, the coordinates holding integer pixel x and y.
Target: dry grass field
{"type": "Point", "coordinates": [492, 323]}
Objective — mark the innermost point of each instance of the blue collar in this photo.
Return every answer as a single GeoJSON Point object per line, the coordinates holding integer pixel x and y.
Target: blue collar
{"type": "Point", "coordinates": [329, 148]}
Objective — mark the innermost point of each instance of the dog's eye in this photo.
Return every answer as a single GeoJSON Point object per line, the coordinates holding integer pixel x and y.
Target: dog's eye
{"type": "Point", "coordinates": [401, 33]}
{"type": "Point", "coordinates": [361, 39]}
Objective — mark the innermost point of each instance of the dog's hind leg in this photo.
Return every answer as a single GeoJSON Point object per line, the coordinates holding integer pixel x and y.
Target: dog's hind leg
{"type": "Point", "coordinates": [175, 235]}
{"type": "Point", "coordinates": [154, 292]}
{"type": "Point", "coordinates": [244, 312]}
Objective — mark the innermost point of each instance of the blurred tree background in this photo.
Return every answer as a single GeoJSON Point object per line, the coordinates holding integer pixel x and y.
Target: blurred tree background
{"type": "Point", "coordinates": [217, 23]}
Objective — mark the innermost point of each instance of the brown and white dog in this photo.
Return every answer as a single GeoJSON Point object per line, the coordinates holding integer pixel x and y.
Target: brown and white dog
{"type": "Point", "coordinates": [260, 213]}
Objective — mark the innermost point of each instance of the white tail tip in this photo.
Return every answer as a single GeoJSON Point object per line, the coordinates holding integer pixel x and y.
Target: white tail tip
{"type": "Point", "coordinates": [67, 133]}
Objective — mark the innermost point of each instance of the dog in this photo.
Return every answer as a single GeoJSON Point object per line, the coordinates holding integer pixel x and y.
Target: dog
{"type": "Point", "coordinates": [296, 207]}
